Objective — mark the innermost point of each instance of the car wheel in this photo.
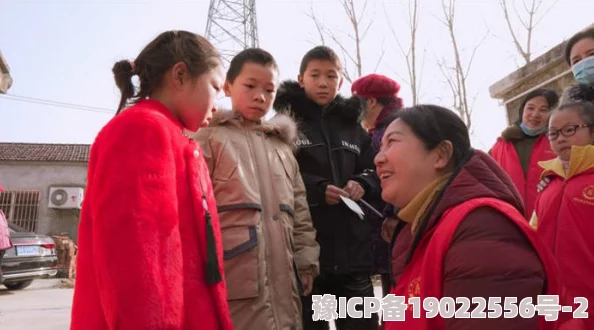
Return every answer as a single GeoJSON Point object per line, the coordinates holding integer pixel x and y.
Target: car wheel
{"type": "Point", "coordinates": [18, 285]}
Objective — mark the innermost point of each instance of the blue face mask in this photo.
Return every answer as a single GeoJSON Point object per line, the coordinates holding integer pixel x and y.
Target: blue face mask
{"type": "Point", "coordinates": [533, 132]}
{"type": "Point", "coordinates": [583, 71]}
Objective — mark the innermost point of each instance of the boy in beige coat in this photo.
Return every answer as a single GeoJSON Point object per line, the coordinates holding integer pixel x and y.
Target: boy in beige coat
{"type": "Point", "coordinates": [270, 251]}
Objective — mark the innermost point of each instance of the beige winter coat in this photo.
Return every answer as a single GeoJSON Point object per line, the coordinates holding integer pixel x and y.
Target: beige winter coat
{"type": "Point", "coordinates": [265, 220]}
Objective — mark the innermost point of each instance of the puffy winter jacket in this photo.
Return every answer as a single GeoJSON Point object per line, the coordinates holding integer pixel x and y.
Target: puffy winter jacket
{"type": "Point", "coordinates": [488, 256]}
{"type": "Point", "coordinates": [333, 149]}
{"type": "Point", "coordinates": [506, 155]}
{"type": "Point", "coordinates": [268, 235]}
{"type": "Point", "coordinates": [563, 217]}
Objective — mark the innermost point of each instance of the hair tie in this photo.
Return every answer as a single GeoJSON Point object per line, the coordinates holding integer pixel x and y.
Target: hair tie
{"type": "Point", "coordinates": [133, 65]}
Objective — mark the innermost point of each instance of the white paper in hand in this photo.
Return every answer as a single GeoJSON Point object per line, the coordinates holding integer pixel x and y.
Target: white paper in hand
{"type": "Point", "coordinates": [353, 206]}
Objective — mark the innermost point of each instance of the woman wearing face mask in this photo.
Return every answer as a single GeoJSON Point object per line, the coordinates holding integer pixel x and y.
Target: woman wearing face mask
{"type": "Point", "coordinates": [579, 54]}
{"type": "Point", "coordinates": [524, 144]}
{"type": "Point", "coordinates": [462, 233]}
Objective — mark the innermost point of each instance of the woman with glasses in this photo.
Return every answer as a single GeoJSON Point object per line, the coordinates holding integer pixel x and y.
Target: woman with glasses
{"type": "Point", "coordinates": [524, 144]}
{"type": "Point", "coordinates": [564, 209]}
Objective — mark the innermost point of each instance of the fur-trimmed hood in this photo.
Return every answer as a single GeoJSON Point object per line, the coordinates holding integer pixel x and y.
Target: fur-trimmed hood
{"type": "Point", "coordinates": [514, 133]}
{"type": "Point", "coordinates": [291, 99]}
{"type": "Point", "coordinates": [281, 125]}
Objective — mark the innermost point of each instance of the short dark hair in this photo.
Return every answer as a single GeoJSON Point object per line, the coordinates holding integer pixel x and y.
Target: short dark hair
{"type": "Point", "coordinates": [549, 94]}
{"type": "Point", "coordinates": [578, 93]}
{"type": "Point", "coordinates": [585, 34]}
{"type": "Point", "coordinates": [323, 53]}
{"type": "Point", "coordinates": [585, 110]}
{"type": "Point", "coordinates": [167, 49]}
{"type": "Point", "coordinates": [249, 55]}
{"type": "Point", "coordinates": [433, 125]}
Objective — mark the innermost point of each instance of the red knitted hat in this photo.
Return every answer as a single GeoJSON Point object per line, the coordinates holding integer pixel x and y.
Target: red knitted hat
{"type": "Point", "coordinates": [375, 85]}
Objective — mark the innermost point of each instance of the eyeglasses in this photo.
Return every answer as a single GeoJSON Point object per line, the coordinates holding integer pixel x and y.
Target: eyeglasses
{"type": "Point", "coordinates": [566, 131]}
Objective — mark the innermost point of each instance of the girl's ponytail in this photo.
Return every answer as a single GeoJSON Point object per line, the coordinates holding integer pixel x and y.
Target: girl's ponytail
{"type": "Point", "coordinates": [122, 73]}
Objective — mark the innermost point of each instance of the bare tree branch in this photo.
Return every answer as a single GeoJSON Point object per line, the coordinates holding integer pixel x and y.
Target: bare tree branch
{"type": "Point", "coordinates": [478, 45]}
{"type": "Point", "coordinates": [359, 31]}
{"type": "Point", "coordinates": [503, 4]}
{"type": "Point", "coordinates": [457, 74]}
{"type": "Point", "coordinates": [410, 54]}
{"type": "Point", "coordinates": [531, 9]}
{"type": "Point", "coordinates": [381, 57]}
{"type": "Point", "coordinates": [392, 70]}
{"type": "Point", "coordinates": [343, 48]}
{"type": "Point", "coordinates": [545, 12]}
{"type": "Point", "coordinates": [318, 24]}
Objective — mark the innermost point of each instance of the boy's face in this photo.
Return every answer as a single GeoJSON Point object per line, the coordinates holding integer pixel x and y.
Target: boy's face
{"type": "Point", "coordinates": [253, 90]}
{"type": "Point", "coordinates": [321, 81]}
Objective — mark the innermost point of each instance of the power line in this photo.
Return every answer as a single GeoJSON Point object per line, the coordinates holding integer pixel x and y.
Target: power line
{"type": "Point", "coordinates": [58, 104]}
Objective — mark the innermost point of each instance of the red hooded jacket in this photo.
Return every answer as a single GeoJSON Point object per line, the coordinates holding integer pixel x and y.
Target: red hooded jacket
{"type": "Point", "coordinates": [564, 215]}
{"type": "Point", "coordinates": [143, 230]}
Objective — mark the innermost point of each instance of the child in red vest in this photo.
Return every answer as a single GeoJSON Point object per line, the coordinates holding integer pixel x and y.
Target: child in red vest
{"type": "Point", "coordinates": [150, 254]}
{"type": "Point", "coordinates": [564, 209]}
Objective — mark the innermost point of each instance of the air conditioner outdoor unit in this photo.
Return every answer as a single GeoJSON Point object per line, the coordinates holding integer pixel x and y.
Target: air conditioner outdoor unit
{"type": "Point", "coordinates": [65, 197]}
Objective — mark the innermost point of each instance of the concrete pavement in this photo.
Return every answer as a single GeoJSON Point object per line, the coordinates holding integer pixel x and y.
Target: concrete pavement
{"type": "Point", "coordinates": [44, 306]}
{"type": "Point", "coordinates": [41, 306]}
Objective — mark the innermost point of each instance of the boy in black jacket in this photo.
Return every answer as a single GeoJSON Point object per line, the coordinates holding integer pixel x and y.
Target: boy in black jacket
{"type": "Point", "coordinates": [335, 157]}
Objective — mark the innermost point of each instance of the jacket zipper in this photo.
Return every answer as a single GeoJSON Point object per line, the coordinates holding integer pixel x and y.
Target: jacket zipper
{"type": "Point", "coordinates": [554, 247]}
{"type": "Point", "coordinates": [265, 233]}
{"type": "Point", "coordinates": [329, 147]}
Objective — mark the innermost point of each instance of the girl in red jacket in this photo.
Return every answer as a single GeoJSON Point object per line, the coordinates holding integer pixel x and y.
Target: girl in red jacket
{"type": "Point", "coordinates": [149, 240]}
{"type": "Point", "coordinates": [564, 209]}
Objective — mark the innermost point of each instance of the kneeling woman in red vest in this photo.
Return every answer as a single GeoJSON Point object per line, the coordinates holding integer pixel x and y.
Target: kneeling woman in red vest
{"type": "Point", "coordinates": [462, 232]}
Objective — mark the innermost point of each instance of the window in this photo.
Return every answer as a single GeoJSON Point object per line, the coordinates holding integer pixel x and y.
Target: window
{"type": "Point", "coordinates": [21, 208]}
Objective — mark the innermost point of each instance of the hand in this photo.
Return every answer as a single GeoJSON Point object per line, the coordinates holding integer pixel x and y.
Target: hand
{"type": "Point", "coordinates": [333, 194]}
{"type": "Point", "coordinates": [354, 189]}
{"type": "Point", "coordinates": [542, 184]}
{"type": "Point", "coordinates": [388, 228]}
{"type": "Point", "coordinates": [307, 279]}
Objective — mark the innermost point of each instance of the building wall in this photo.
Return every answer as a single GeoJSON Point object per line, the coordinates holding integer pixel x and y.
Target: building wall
{"type": "Point", "coordinates": [546, 71]}
{"type": "Point", "coordinates": [41, 176]}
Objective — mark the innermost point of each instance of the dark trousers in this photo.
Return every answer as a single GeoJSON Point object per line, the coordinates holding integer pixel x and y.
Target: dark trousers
{"type": "Point", "coordinates": [348, 286]}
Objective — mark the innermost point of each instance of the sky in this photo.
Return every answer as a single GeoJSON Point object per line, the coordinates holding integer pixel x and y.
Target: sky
{"type": "Point", "coordinates": [63, 51]}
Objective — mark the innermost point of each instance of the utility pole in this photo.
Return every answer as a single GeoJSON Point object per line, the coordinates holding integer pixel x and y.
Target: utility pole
{"type": "Point", "coordinates": [232, 26]}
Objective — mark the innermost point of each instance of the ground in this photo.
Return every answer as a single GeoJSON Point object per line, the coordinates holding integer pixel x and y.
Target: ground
{"type": "Point", "coordinates": [45, 305]}
{"type": "Point", "coordinates": [42, 306]}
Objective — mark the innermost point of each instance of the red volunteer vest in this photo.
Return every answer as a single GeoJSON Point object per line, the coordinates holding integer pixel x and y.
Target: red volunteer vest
{"type": "Point", "coordinates": [507, 157]}
{"type": "Point", "coordinates": [423, 276]}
